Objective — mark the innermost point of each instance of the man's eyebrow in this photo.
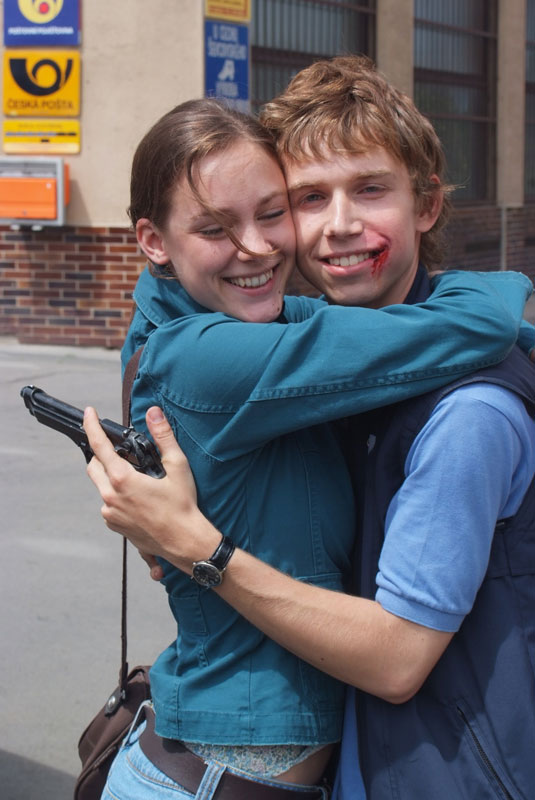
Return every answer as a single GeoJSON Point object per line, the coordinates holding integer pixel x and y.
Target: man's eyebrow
{"type": "Point", "coordinates": [295, 187]}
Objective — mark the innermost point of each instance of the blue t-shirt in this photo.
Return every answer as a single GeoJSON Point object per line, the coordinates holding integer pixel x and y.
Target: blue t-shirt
{"type": "Point", "coordinates": [470, 465]}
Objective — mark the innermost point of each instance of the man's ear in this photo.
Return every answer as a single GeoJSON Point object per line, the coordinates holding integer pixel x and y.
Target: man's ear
{"type": "Point", "coordinates": [432, 207]}
{"type": "Point", "coordinates": [151, 242]}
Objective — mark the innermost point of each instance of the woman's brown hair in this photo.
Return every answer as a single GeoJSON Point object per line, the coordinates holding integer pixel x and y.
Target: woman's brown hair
{"type": "Point", "coordinates": [174, 147]}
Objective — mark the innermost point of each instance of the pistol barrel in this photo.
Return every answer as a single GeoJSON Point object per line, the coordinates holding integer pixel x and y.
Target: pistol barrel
{"type": "Point", "coordinates": [52, 412]}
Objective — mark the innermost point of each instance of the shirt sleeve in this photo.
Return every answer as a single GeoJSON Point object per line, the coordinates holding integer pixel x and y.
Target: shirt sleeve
{"type": "Point", "coordinates": [469, 466]}
{"type": "Point", "coordinates": [236, 385]}
{"type": "Point", "coordinates": [526, 338]}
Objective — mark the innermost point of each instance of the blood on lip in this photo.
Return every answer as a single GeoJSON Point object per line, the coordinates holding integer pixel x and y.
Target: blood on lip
{"type": "Point", "coordinates": [379, 261]}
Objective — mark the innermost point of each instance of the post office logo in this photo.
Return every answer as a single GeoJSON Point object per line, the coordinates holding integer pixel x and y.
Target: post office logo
{"type": "Point", "coordinates": [33, 82]}
{"type": "Point", "coordinates": [40, 11]}
{"type": "Point", "coordinates": [42, 82]}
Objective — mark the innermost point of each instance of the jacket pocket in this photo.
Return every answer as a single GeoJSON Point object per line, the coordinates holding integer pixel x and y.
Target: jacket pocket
{"type": "Point", "coordinates": [192, 630]}
{"type": "Point", "coordinates": [328, 692]}
{"type": "Point", "coordinates": [489, 766]}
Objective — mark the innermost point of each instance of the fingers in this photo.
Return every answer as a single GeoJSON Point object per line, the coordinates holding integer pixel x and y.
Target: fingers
{"type": "Point", "coordinates": [162, 433]}
{"type": "Point", "coordinates": [100, 445]}
{"type": "Point", "coordinates": [156, 571]}
{"type": "Point", "coordinates": [98, 441]}
{"type": "Point", "coordinates": [106, 469]}
{"type": "Point", "coordinates": [97, 473]}
{"type": "Point", "coordinates": [173, 458]}
{"type": "Point", "coordinates": [175, 462]}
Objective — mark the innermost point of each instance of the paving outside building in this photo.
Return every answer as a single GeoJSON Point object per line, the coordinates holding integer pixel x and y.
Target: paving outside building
{"type": "Point", "coordinates": [470, 65]}
{"type": "Point", "coordinates": [60, 589]}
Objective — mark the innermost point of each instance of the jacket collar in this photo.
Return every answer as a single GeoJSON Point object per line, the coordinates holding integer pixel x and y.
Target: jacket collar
{"type": "Point", "coordinates": [162, 300]}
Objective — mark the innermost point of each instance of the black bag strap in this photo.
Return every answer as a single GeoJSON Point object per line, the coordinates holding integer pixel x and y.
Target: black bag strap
{"type": "Point", "coordinates": [128, 380]}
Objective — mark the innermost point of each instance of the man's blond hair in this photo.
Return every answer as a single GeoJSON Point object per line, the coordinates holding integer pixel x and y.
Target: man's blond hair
{"type": "Point", "coordinates": [345, 105]}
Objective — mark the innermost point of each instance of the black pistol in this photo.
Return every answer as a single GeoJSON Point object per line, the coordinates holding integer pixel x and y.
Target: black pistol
{"type": "Point", "coordinates": [135, 447]}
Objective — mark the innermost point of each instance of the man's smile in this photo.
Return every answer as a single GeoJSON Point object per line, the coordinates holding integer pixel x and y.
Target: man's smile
{"type": "Point", "coordinates": [352, 259]}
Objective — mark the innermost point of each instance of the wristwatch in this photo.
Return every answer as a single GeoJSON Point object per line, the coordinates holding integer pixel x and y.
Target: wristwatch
{"type": "Point", "coordinates": [210, 572]}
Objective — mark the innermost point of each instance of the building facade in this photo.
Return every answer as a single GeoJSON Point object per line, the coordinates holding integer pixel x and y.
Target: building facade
{"type": "Point", "coordinates": [469, 64]}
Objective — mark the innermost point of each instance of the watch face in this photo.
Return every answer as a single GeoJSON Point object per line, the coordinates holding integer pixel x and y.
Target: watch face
{"type": "Point", "coordinates": [206, 574]}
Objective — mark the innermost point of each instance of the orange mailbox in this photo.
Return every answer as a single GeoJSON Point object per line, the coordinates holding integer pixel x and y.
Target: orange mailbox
{"type": "Point", "coordinates": [33, 191]}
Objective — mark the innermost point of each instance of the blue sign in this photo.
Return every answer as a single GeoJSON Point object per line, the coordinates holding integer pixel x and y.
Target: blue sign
{"type": "Point", "coordinates": [227, 63]}
{"type": "Point", "coordinates": [36, 23]}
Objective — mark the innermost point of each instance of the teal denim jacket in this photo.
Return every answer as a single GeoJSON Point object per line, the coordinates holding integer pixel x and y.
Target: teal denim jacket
{"type": "Point", "coordinates": [251, 404]}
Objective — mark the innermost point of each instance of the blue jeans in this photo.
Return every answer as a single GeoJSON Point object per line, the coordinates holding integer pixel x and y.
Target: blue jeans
{"type": "Point", "coordinates": [134, 777]}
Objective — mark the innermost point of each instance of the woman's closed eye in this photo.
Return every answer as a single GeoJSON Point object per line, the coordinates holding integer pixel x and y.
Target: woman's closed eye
{"type": "Point", "coordinates": [212, 232]}
{"type": "Point", "coordinates": [268, 215]}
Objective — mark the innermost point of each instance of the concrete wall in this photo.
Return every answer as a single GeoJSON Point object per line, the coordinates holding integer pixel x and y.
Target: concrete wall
{"type": "Point", "coordinates": [510, 95]}
{"type": "Point", "coordinates": [395, 34]}
{"type": "Point", "coordinates": [138, 61]}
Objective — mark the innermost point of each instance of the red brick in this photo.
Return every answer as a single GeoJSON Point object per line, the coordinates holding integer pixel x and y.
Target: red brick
{"type": "Point", "coordinates": [126, 248]}
{"type": "Point", "coordinates": [92, 248]}
{"type": "Point", "coordinates": [61, 247]}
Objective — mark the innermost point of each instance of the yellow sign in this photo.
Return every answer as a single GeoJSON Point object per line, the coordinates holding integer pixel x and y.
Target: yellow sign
{"type": "Point", "coordinates": [41, 83]}
{"type": "Point", "coordinates": [236, 10]}
{"type": "Point", "coordinates": [41, 136]}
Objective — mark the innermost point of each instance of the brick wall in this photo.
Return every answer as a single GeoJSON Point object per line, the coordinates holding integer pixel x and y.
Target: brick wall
{"type": "Point", "coordinates": [474, 239]}
{"type": "Point", "coordinates": [73, 286]}
{"type": "Point", "coordinates": [69, 286]}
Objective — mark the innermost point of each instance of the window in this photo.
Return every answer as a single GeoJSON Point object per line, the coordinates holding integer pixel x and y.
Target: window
{"type": "Point", "coordinates": [287, 35]}
{"type": "Point", "coordinates": [529, 186]}
{"type": "Point", "coordinates": [455, 86]}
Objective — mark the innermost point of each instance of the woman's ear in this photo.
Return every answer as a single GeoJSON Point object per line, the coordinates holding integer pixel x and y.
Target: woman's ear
{"type": "Point", "coordinates": [151, 242]}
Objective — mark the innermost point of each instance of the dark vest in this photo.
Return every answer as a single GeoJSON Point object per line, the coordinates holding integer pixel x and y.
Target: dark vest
{"type": "Point", "coordinates": [469, 733]}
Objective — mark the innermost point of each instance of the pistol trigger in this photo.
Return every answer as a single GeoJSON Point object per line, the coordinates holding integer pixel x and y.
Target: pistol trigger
{"type": "Point", "coordinates": [86, 450]}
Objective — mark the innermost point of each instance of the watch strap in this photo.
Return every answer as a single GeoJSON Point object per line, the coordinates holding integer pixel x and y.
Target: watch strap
{"type": "Point", "coordinates": [223, 553]}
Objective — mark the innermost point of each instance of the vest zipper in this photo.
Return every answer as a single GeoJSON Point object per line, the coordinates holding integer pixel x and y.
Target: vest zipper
{"type": "Point", "coordinates": [484, 756]}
